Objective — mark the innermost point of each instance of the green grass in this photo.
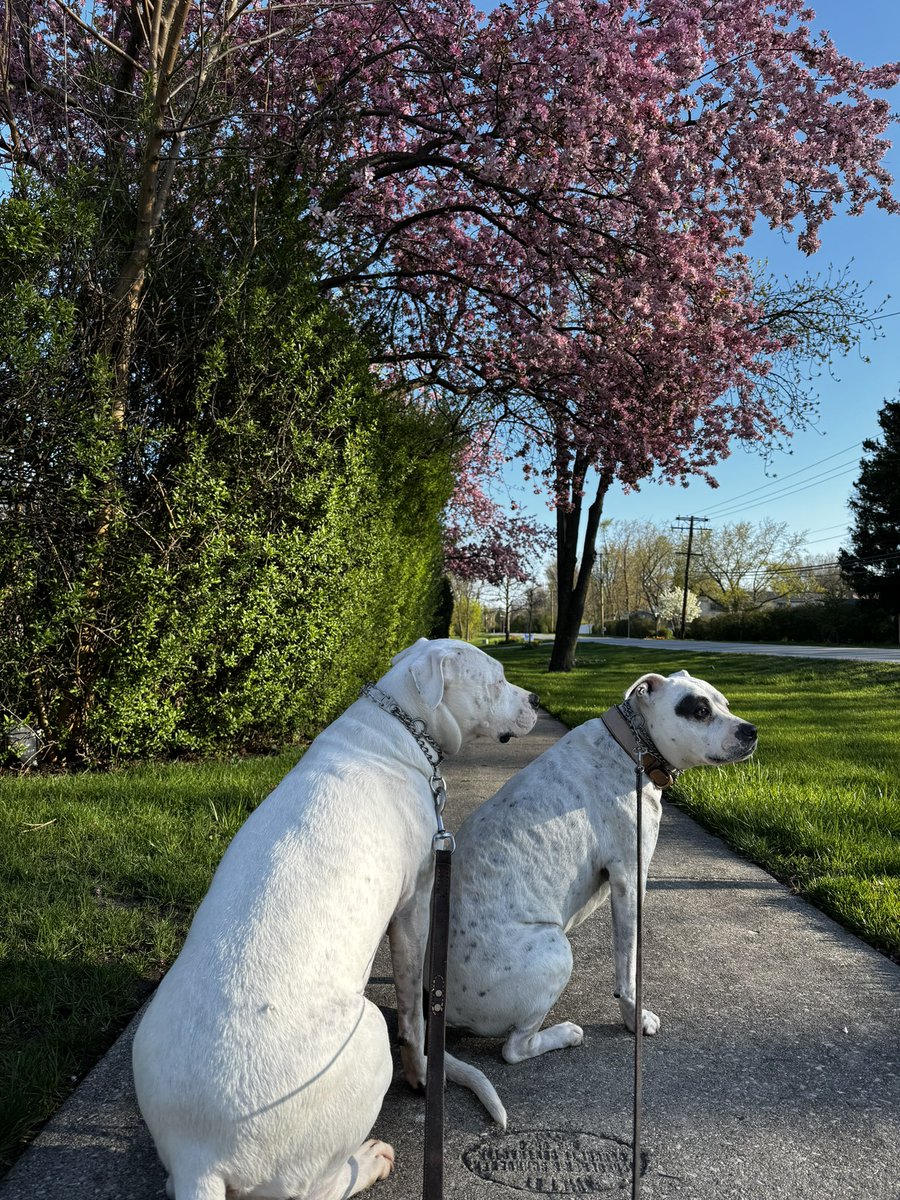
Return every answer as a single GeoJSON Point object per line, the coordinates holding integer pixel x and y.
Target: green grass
{"type": "Point", "coordinates": [101, 874]}
{"type": "Point", "coordinates": [818, 805]}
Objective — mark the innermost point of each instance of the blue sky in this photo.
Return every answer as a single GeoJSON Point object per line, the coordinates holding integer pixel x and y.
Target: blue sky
{"type": "Point", "coordinates": [868, 30]}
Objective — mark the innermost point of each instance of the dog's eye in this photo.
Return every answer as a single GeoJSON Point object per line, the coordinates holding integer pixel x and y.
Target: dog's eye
{"type": "Point", "coordinates": [701, 712]}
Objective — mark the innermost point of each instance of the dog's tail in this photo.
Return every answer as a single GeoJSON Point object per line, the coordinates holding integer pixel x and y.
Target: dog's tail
{"type": "Point", "coordinates": [477, 1082]}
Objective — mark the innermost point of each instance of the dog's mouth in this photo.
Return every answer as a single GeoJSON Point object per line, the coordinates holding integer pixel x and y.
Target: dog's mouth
{"type": "Point", "coordinates": [742, 756]}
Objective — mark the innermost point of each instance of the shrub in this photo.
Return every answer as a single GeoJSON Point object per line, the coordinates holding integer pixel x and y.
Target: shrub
{"type": "Point", "coordinates": [831, 622]}
{"type": "Point", "coordinates": [223, 567]}
{"type": "Point", "coordinates": [640, 627]}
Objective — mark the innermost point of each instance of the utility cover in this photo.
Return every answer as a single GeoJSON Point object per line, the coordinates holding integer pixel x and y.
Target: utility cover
{"type": "Point", "coordinates": [558, 1162]}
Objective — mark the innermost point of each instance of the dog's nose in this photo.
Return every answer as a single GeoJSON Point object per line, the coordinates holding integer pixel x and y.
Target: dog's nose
{"type": "Point", "coordinates": [534, 701]}
{"type": "Point", "coordinates": [746, 733]}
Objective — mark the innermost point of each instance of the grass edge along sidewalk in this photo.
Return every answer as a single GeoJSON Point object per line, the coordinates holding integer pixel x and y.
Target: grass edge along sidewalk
{"type": "Point", "coordinates": [101, 875]}
{"type": "Point", "coordinates": [818, 806]}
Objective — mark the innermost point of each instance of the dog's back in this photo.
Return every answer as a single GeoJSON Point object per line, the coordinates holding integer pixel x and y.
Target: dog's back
{"type": "Point", "coordinates": [254, 1036]}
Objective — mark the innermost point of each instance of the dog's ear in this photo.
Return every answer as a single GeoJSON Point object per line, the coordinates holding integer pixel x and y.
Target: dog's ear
{"type": "Point", "coordinates": [645, 686]}
{"type": "Point", "coordinates": [680, 675]}
{"type": "Point", "coordinates": [428, 676]}
{"type": "Point", "coordinates": [401, 654]}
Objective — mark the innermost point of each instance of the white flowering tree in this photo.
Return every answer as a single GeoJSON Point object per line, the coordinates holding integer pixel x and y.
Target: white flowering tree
{"type": "Point", "coordinates": [670, 604]}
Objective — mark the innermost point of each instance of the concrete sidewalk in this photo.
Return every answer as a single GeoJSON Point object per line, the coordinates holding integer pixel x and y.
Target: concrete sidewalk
{"type": "Point", "coordinates": [776, 1072]}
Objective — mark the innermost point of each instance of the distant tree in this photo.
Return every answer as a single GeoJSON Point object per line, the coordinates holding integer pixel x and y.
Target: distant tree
{"type": "Point", "coordinates": [872, 565]}
{"type": "Point", "coordinates": [828, 582]}
{"type": "Point", "coordinates": [635, 566]}
{"type": "Point", "coordinates": [670, 605]}
{"type": "Point", "coordinates": [467, 620]}
{"type": "Point", "coordinates": [443, 613]}
{"type": "Point", "coordinates": [509, 600]}
{"type": "Point", "coordinates": [534, 615]}
{"type": "Point", "coordinates": [742, 566]}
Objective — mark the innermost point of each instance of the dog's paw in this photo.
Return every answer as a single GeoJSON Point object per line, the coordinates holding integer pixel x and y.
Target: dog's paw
{"type": "Point", "coordinates": [374, 1160]}
{"type": "Point", "coordinates": [651, 1023]}
{"type": "Point", "coordinates": [379, 1157]}
{"type": "Point", "coordinates": [569, 1033]}
{"type": "Point", "coordinates": [413, 1062]}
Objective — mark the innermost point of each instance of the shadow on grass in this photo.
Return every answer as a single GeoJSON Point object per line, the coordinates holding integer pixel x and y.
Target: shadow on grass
{"type": "Point", "coordinates": [59, 1016]}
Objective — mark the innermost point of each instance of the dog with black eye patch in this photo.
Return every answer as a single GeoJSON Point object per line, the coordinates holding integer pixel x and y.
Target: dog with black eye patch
{"type": "Point", "coordinates": [538, 857]}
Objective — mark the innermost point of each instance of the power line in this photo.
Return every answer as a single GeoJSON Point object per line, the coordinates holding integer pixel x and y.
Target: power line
{"type": "Point", "coordinates": [789, 568]}
{"type": "Point", "coordinates": [792, 491]}
{"type": "Point", "coordinates": [825, 528]}
{"type": "Point", "coordinates": [779, 482]}
{"type": "Point", "coordinates": [816, 541]}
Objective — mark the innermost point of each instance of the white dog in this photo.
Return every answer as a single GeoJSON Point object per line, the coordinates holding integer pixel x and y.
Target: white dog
{"type": "Point", "coordinates": [538, 857]}
{"type": "Point", "coordinates": [259, 1065]}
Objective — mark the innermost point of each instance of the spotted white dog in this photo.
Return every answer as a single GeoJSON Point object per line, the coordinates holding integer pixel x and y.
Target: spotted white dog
{"type": "Point", "coordinates": [538, 857]}
{"type": "Point", "coordinates": [260, 1066]}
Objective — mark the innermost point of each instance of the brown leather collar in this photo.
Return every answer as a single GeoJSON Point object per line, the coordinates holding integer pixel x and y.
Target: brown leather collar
{"type": "Point", "coordinates": [660, 773]}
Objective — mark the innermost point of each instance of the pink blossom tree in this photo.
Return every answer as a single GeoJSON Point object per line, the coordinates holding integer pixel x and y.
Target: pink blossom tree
{"type": "Point", "coordinates": [482, 541]}
{"type": "Point", "coordinates": [539, 214]}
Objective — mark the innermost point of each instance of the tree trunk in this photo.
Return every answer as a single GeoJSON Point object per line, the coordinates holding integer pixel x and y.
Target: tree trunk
{"type": "Point", "coordinates": [153, 192]}
{"type": "Point", "coordinates": [573, 590]}
{"type": "Point", "coordinates": [116, 341]}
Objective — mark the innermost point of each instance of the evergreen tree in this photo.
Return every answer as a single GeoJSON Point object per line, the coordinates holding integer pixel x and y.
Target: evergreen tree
{"type": "Point", "coordinates": [872, 566]}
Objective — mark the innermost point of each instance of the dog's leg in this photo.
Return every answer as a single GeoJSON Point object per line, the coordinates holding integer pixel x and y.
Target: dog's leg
{"type": "Point", "coordinates": [522, 1043]}
{"type": "Point", "coordinates": [546, 958]}
{"type": "Point", "coordinates": [372, 1161]}
{"type": "Point", "coordinates": [408, 934]}
{"type": "Point", "coordinates": [623, 901]}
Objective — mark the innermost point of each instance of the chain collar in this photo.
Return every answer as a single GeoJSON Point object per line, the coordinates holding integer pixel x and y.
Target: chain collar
{"type": "Point", "coordinates": [658, 769]}
{"type": "Point", "coordinates": [443, 839]}
{"type": "Point", "coordinates": [416, 727]}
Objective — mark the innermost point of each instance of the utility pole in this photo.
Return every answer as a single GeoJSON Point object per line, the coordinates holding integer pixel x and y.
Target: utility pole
{"type": "Point", "coordinates": [600, 582]}
{"type": "Point", "coordinates": [687, 563]}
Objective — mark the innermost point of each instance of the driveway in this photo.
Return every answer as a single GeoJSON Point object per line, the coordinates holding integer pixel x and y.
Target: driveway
{"type": "Point", "coordinates": [858, 653]}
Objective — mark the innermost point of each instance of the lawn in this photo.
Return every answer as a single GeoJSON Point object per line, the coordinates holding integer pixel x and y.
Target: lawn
{"type": "Point", "coordinates": [101, 874]}
{"type": "Point", "coordinates": [818, 805]}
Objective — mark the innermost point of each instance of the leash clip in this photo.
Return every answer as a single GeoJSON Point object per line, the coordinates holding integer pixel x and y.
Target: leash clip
{"type": "Point", "coordinates": [438, 791]}
{"type": "Point", "coordinates": [443, 840]}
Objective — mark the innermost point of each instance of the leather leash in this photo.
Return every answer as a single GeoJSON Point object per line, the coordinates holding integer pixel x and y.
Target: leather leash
{"type": "Point", "coordinates": [442, 844]}
{"type": "Point", "coordinates": [433, 1168]}
{"type": "Point", "coordinates": [625, 726]}
{"type": "Point", "coordinates": [638, 991]}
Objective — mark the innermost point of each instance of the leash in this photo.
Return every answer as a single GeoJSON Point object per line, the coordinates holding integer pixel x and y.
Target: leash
{"type": "Point", "coordinates": [442, 844]}
{"type": "Point", "coordinates": [433, 1166]}
{"type": "Point", "coordinates": [646, 758]}
{"type": "Point", "coordinates": [621, 721]}
{"type": "Point", "coordinates": [638, 991]}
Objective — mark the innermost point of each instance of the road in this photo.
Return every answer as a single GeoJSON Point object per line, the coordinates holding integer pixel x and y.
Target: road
{"type": "Point", "coordinates": [856, 653]}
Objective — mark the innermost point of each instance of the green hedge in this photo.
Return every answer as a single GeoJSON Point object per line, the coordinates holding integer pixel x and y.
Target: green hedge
{"type": "Point", "coordinates": [831, 622]}
{"type": "Point", "coordinates": [261, 533]}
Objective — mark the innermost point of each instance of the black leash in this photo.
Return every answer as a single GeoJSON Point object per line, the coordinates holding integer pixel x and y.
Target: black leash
{"type": "Point", "coordinates": [433, 1171]}
{"type": "Point", "coordinates": [443, 845]}
{"type": "Point", "coordinates": [638, 994]}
